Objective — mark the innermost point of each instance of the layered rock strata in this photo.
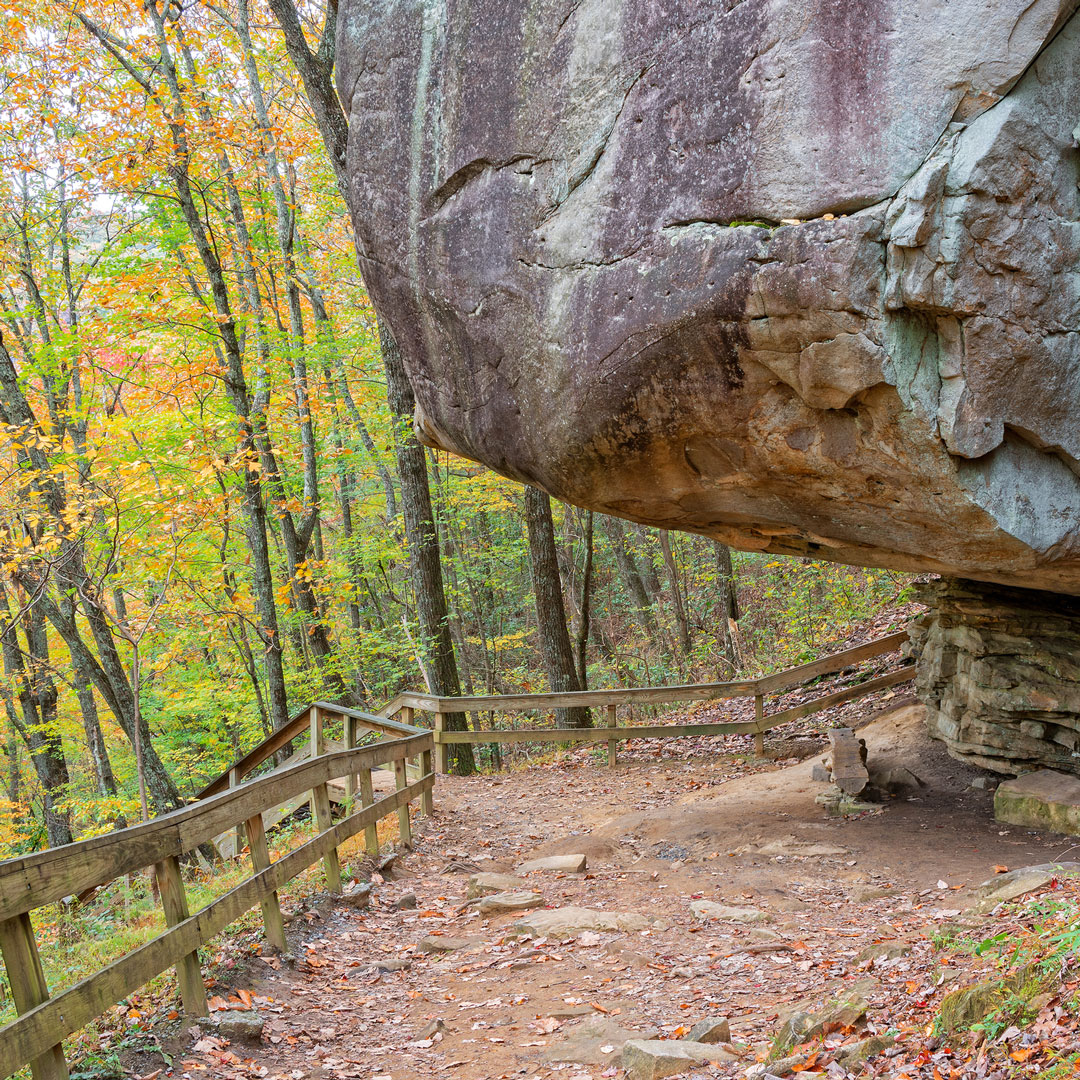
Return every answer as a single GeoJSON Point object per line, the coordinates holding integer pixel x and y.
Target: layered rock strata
{"type": "Point", "coordinates": [999, 672]}
{"type": "Point", "coordinates": [803, 276]}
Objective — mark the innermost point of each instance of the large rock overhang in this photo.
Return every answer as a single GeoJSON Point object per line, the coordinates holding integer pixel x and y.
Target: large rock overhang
{"type": "Point", "coordinates": [801, 276]}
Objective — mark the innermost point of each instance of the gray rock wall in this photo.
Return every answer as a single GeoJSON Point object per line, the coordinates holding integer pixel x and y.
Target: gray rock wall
{"type": "Point", "coordinates": [572, 214]}
{"type": "Point", "coordinates": [999, 672]}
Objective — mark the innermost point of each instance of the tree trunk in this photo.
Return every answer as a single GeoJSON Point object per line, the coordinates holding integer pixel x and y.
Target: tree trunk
{"type": "Point", "coordinates": [581, 637]}
{"type": "Point", "coordinates": [629, 572]}
{"type": "Point", "coordinates": [729, 601]}
{"type": "Point", "coordinates": [425, 562]}
{"type": "Point", "coordinates": [682, 623]}
{"type": "Point", "coordinates": [37, 700]}
{"type": "Point", "coordinates": [550, 612]}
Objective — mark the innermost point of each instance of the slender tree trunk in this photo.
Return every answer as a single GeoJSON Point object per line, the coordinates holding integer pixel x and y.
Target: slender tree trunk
{"type": "Point", "coordinates": [581, 637]}
{"type": "Point", "coordinates": [550, 612]}
{"type": "Point", "coordinates": [629, 572]}
{"type": "Point", "coordinates": [38, 724]}
{"type": "Point", "coordinates": [425, 560]}
{"type": "Point", "coordinates": [677, 602]}
{"type": "Point", "coordinates": [729, 601]}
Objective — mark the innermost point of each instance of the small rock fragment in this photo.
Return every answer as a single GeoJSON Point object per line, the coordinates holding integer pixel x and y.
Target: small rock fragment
{"type": "Point", "coordinates": [482, 884]}
{"type": "Point", "coordinates": [407, 902]}
{"type": "Point", "coordinates": [707, 909]}
{"type": "Point", "coordinates": [439, 943]}
{"type": "Point", "coordinates": [567, 864]}
{"type": "Point", "coordinates": [568, 922]}
{"type": "Point", "coordinates": [713, 1029]}
{"type": "Point", "coordinates": [652, 1059]}
{"type": "Point", "coordinates": [240, 1025]}
{"type": "Point", "coordinates": [359, 896]}
{"type": "Point", "coordinates": [497, 903]}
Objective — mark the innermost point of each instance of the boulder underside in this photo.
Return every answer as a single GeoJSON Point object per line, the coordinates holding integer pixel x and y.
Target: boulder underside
{"type": "Point", "coordinates": [999, 673]}
{"type": "Point", "coordinates": [802, 276]}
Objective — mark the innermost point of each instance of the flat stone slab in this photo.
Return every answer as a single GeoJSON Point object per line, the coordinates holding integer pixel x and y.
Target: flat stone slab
{"type": "Point", "coordinates": [1040, 800]}
{"type": "Point", "coordinates": [482, 884]}
{"type": "Point", "coordinates": [1021, 881]}
{"type": "Point", "coordinates": [567, 864]}
{"type": "Point", "coordinates": [595, 1041]}
{"type": "Point", "coordinates": [650, 1059]}
{"type": "Point", "coordinates": [439, 943]}
{"type": "Point", "coordinates": [707, 909]}
{"type": "Point", "coordinates": [568, 922]}
{"type": "Point", "coordinates": [497, 903]}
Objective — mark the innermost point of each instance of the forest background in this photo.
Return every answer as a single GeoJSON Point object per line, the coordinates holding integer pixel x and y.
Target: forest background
{"type": "Point", "coordinates": [212, 507]}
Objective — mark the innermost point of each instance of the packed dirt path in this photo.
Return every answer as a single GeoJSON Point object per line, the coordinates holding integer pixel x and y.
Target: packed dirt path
{"type": "Point", "coordinates": [658, 836]}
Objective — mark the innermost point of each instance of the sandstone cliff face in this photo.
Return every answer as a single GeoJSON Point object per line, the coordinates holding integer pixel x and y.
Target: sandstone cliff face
{"type": "Point", "coordinates": [999, 672]}
{"type": "Point", "coordinates": [572, 213]}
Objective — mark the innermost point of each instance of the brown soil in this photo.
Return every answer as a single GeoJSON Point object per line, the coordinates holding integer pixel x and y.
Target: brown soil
{"type": "Point", "coordinates": [657, 835]}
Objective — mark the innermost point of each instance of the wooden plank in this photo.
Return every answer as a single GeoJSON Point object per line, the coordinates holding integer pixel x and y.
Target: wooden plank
{"type": "Point", "coordinates": [659, 731]}
{"type": "Point", "coordinates": [255, 757]}
{"type": "Point", "coordinates": [320, 803]}
{"type": "Point", "coordinates": [427, 800]}
{"type": "Point", "coordinates": [612, 752]}
{"type": "Point", "coordinates": [659, 695]}
{"type": "Point", "coordinates": [893, 678]}
{"type": "Point", "coordinates": [759, 735]}
{"type": "Point", "coordinates": [30, 990]}
{"type": "Point", "coordinates": [273, 923]}
{"type": "Point", "coordinates": [640, 695]}
{"type": "Point", "coordinates": [31, 881]}
{"type": "Point", "coordinates": [441, 755]}
{"type": "Point", "coordinates": [174, 902]}
{"type": "Point", "coordinates": [787, 680]}
{"type": "Point", "coordinates": [404, 825]}
{"type": "Point", "coordinates": [367, 798]}
{"type": "Point", "coordinates": [41, 1027]}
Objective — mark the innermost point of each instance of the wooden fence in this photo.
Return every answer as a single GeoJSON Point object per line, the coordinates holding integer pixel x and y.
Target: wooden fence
{"type": "Point", "coordinates": [408, 704]}
{"type": "Point", "coordinates": [43, 878]}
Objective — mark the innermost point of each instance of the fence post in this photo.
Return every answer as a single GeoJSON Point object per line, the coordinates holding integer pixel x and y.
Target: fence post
{"type": "Point", "coordinates": [238, 833]}
{"type": "Point", "coordinates": [28, 986]}
{"type": "Point", "coordinates": [613, 721]}
{"type": "Point", "coordinates": [174, 902]}
{"type": "Point", "coordinates": [440, 747]}
{"type": "Point", "coordinates": [367, 798]}
{"type": "Point", "coordinates": [759, 716]}
{"type": "Point", "coordinates": [350, 733]}
{"type": "Point", "coordinates": [404, 826]}
{"type": "Point", "coordinates": [320, 803]}
{"type": "Point", "coordinates": [260, 860]}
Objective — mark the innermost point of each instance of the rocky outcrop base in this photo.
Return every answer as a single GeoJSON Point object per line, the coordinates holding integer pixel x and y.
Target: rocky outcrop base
{"type": "Point", "coordinates": [999, 673]}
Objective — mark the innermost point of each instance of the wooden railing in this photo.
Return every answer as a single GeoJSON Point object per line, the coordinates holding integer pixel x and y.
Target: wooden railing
{"type": "Point", "coordinates": [408, 704]}
{"type": "Point", "coordinates": [43, 878]}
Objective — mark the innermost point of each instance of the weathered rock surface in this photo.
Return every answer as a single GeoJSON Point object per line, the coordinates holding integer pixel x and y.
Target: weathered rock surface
{"type": "Point", "coordinates": [572, 215]}
{"type": "Point", "coordinates": [651, 1059]}
{"type": "Point", "coordinates": [566, 864]}
{"type": "Point", "coordinates": [497, 903]}
{"type": "Point", "coordinates": [568, 922]}
{"type": "Point", "coordinates": [484, 883]}
{"type": "Point", "coordinates": [999, 673]}
{"type": "Point", "coordinates": [1040, 800]}
{"type": "Point", "coordinates": [709, 909]}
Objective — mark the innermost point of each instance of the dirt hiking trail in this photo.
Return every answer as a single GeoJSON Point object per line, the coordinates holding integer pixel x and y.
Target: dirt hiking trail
{"type": "Point", "coordinates": [737, 894]}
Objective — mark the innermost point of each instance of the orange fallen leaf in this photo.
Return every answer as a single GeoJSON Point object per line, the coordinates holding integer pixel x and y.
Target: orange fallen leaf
{"type": "Point", "coordinates": [1023, 1055]}
{"type": "Point", "coordinates": [913, 986]}
{"type": "Point", "coordinates": [999, 869]}
{"type": "Point", "coordinates": [598, 1008]}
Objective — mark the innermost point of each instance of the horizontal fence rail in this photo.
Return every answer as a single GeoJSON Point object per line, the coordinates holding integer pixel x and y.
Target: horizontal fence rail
{"type": "Point", "coordinates": [36, 880]}
{"type": "Point", "coordinates": [408, 704]}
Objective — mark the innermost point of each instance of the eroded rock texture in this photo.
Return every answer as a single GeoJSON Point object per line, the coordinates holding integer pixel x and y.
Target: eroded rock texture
{"type": "Point", "coordinates": [999, 671]}
{"type": "Point", "coordinates": [571, 213]}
